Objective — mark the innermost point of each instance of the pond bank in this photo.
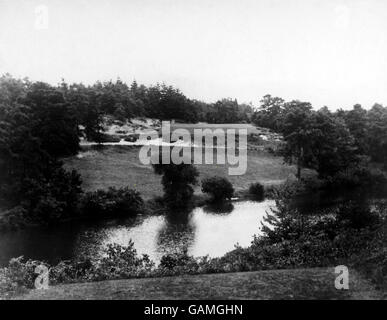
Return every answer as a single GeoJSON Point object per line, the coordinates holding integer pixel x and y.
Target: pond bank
{"type": "Point", "coordinates": [200, 231]}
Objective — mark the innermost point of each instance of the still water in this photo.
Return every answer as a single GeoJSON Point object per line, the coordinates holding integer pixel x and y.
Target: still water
{"type": "Point", "coordinates": [209, 231]}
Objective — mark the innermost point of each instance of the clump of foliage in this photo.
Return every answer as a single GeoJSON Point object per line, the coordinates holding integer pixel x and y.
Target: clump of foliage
{"type": "Point", "coordinates": [178, 181]}
{"type": "Point", "coordinates": [257, 190]}
{"type": "Point", "coordinates": [177, 263]}
{"type": "Point", "coordinates": [269, 114]}
{"type": "Point", "coordinates": [70, 271]}
{"type": "Point", "coordinates": [316, 240]}
{"type": "Point", "coordinates": [218, 188]}
{"type": "Point", "coordinates": [53, 198]}
{"type": "Point", "coordinates": [328, 142]}
{"type": "Point", "coordinates": [117, 262]}
{"type": "Point", "coordinates": [316, 139]}
{"type": "Point", "coordinates": [121, 262]}
{"type": "Point", "coordinates": [38, 126]}
{"type": "Point", "coordinates": [112, 203]}
{"type": "Point", "coordinates": [18, 276]}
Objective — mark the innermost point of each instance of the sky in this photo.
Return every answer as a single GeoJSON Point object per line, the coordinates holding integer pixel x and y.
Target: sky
{"type": "Point", "coordinates": [327, 52]}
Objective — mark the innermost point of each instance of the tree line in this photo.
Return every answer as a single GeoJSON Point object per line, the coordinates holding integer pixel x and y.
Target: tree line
{"type": "Point", "coordinates": [159, 101]}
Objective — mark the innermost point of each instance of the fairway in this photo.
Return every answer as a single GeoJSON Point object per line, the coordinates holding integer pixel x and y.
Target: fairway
{"type": "Point", "coordinates": [119, 166]}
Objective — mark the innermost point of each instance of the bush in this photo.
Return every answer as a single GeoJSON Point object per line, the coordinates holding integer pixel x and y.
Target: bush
{"type": "Point", "coordinates": [18, 276]}
{"type": "Point", "coordinates": [117, 262]}
{"type": "Point", "coordinates": [219, 188]}
{"type": "Point", "coordinates": [46, 200]}
{"type": "Point", "coordinates": [23, 273]}
{"type": "Point", "coordinates": [178, 263]}
{"type": "Point", "coordinates": [111, 203]}
{"type": "Point", "coordinates": [121, 262]}
{"type": "Point", "coordinates": [71, 271]}
{"type": "Point", "coordinates": [257, 190]}
{"type": "Point", "coordinates": [53, 199]}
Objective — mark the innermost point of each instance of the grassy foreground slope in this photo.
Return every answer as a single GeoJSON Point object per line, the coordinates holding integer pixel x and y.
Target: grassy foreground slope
{"type": "Point", "coordinates": [119, 166]}
{"type": "Point", "coordinates": [315, 283]}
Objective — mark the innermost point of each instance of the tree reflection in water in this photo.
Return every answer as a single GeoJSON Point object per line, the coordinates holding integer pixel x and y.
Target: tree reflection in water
{"type": "Point", "coordinates": [177, 234]}
{"type": "Point", "coordinates": [222, 208]}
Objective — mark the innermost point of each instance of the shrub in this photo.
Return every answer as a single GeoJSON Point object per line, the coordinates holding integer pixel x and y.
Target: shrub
{"type": "Point", "coordinates": [173, 260]}
{"type": "Point", "coordinates": [18, 276]}
{"type": "Point", "coordinates": [111, 203]}
{"type": "Point", "coordinates": [53, 199]}
{"type": "Point", "coordinates": [218, 187]}
{"type": "Point", "coordinates": [257, 190]}
{"type": "Point", "coordinates": [117, 262]}
{"type": "Point", "coordinates": [23, 272]}
{"type": "Point", "coordinates": [177, 263]}
{"type": "Point", "coordinates": [46, 199]}
{"type": "Point", "coordinates": [122, 262]}
{"type": "Point", "coordinates": [70, 271]}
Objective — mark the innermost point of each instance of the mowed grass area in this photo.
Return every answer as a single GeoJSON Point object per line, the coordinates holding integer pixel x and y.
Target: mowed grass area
{"type": "Point", "coordinates": [306, 284]}
{"type": "Point", "coordinates": [119, 166]}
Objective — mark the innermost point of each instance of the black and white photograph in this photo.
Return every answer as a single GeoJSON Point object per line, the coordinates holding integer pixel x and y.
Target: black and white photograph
{"type": "Point", "coordinates": [192, 155]}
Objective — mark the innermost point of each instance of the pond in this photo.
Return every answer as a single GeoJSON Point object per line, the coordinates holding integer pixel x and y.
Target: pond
{"type": "Point", "coordinates": [206, 230]}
